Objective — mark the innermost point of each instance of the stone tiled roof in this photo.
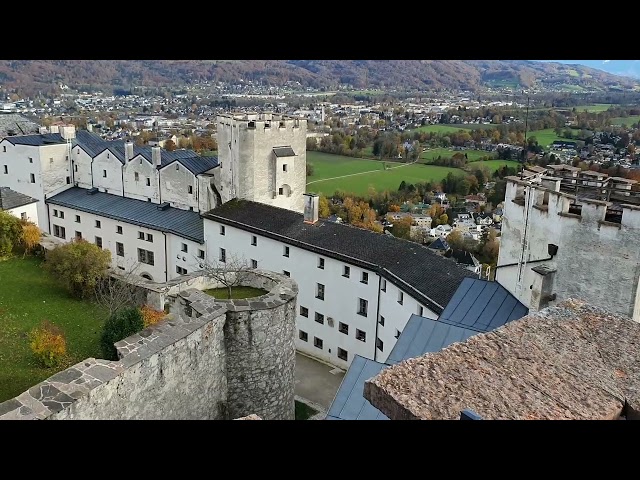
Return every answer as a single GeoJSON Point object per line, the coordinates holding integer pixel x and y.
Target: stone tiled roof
{"type": "Point", "coordinates": [11, 199]}
{"type": "Point", "coordinates": [16, 124]}
{"type": "Point", "coordinates": [409, 265]}
{"type": "Point", "coordinates": [572, 361]}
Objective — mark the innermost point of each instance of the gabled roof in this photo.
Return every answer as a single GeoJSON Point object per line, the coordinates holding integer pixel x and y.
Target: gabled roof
{"type": "Point", "coordinates": [37, 140]}
{"type": "Point", "coordinates": [482, 306]}
{"type": "Point", "coordinates": [463, 257]}
{"type": "Point", "coordinates": [439, 244]}
{"type": "Point", "coordinates": [411, 266]}
{"type": "Point", "coordinates": [11, 199]}
{"type": "Point", "coordinates": [196, 165]}
{"type": "Point", "coordinates": [183, 223]}
{"type": "Point", "coordinates": [284, 152]}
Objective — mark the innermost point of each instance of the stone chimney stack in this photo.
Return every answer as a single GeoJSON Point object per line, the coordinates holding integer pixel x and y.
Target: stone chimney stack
{"type": "Point", "coordinates": [68, 132]}
{"type": "Point", "coordinates": [311, 207]}
{"type": "Point", "coordinates": [156, 156]}
{"type": "Point", "coordinates": [128, 151]}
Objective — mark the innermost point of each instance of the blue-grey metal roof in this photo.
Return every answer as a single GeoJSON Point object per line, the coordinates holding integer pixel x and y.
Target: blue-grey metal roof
{"type": "Point", "coordinates": [197, 164]}
{"type": "Point", "coordinates": [482, 306]}
{"type": "Point", "coordinates": [284, 152]}
{"type": "Point", "coordinates": [439, 244]}
{"type": "Point", "coordinates": [349, 402]}
{"type": "Point", "coordinates": [423, 335]}
{"type": "Point", "coordinates": [37, 140]}
{"type": "Point", "coordinates": [11, 199]}
{"type": "Point", "coordinates": [184, 223]}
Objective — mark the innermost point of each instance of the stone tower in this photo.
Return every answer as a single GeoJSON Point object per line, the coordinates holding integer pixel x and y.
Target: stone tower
{"type": "Point", "coordinates": [263, 158]}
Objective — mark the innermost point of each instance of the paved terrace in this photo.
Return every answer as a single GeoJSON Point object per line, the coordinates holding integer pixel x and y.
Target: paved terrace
{"type": "Point", "coordinates": [571, 361]}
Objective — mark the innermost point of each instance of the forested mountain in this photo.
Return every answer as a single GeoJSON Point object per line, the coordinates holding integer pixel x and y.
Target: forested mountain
{"type": "Point", "coordinates": [27, 77]}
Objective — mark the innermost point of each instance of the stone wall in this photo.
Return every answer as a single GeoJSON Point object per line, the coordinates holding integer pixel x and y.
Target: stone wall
{"type": "Point", "coordinates": [208, 359]}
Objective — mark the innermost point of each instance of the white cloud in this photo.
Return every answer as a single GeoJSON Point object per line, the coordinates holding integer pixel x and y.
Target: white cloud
{"type": "Point", "coordinates": [605, 61]}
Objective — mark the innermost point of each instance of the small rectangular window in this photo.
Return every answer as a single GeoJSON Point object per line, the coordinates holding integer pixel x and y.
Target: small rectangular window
{"type": "Point", "coordinates": [288, 274]}
{"type": "Point", "coordinates": [55, 212]}
{"type": "Point", "coordinates": [23, 215]}
{"type": "Point", "coordinates": [104, 173]}
{"type": "Point", "coordinates": [346, 271]}
{"type": "Point", "coordinates": [320, 318]}
{"type": "Point", "coordinates": [32, 178]}
{"type": "Point", "coordinates": [381, 321]}
{"type": "Point", "coordinates": [420, 310]}
{"type": "Point", "coordinates": [190, 189]}
{"type": "Point", "coordinates": [75, 168]}
{"type": "Point", "coordinates": [304, 311]}
{"type": "Point", "coordinates": [136, 176]}
{"type": "Point", "coordinates": [177, 166]}
{"type": "Point", "coordinates": [68, 180]}
{"type": "Point", "coordinates": [320, 291]}
{"type": "Point", "coordinates": [184, 248]}
{"type": "Point", "coordinates": [286, 251]}
{"type": "Point", "coordinates": [342, 354]}
{"type": "Point", "coordinates": [30, 160]}
{"type": "Point", "coordinates": [362, 307]}
{"type": "Point", "coordinates": [149, 237]}
{"type": "Point", "coordinates": [119, 229]}
{"type": "Point", "coordinates": [6, 167]}
{"type": "Point", "coordinates": [317, 342]}
{"type": "Point", "coordinates": [254, 263]}
{"type": "Point", "coordinates": [78, 235]}
{"type": "Point", "coordinates": [254, 240]}
{"type": "Point", "coordinates": [119, 249]}
{"type": "Point", "coordinates": [281, 191]}
{"type": "Point", "coordinates": [98, 224]}
{"type": "Point", "coordinates": [200, 253]}
{"type": "Point", "coordinates": [148, 182]}
{"type": "Point", "coordinates": [343, 328]}
{"type": "Point", "coordinates": [383, 285]}
{"type": "Point", "coordinates": [321, 263]}
{"type": "Point", "coordinates": [223, 255]}
{"type": "Point", "coordinates": [222, 230]}
{"type": "Point", "coordinates": [99, 241]}
{"type": "Point", "coordinates": [400, 298]}
{"type": "Point", "coordinates": [304, 336]}
{"type": "Point", "coordinates": [141, 235]}
{"type": "Point", "coordinates": [284, 167]}
{"type": "Point", "coordinates": [379, 344]}
{"type": "Point", "coordinates": [61, 214]}
{"type": "Point", "coordinates": [77, 218]}
{"type": "Point", "coordinates": [360, 335]}
{"type": "Point", "coordinates": [398, 332]}
{"type": "Point", "coordinates": [365, 278]}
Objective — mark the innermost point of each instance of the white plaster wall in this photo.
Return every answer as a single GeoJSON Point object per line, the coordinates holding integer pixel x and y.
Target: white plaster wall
{"type": "Point", "coordinates": [341, 294]}
{"type": "Point", "coordinates": [139, 189]}
{"type": "Point", "coordinates": [113, 181]}
{"type": "Point", "coordinates": [176, 257]}
{"type": "Point", "coordinates": [175, 180]}
{"type": "Point", "coordinates": [597, 262]}
{"type": "Point", "coordinates": [31, 210]}
{"type": "Point", "coordinates": [396, 317]}
{"type": "Point", "coordinates": [81, 167]}
{"type": "Point", "coordinates": [207, 199]}
{"type": "Point", "coordinates": [50, 177]}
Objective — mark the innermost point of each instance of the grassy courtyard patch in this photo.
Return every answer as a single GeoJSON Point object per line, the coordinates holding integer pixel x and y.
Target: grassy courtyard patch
{"type": "Point", "coordinates": [29, 295]}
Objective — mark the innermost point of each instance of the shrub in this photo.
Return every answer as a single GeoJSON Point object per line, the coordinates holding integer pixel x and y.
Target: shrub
{"type": "Point", "coordinates": [80, 265]}
{"type": "Point", "coordinates": [30, 238]}
{"type": "Point", "coordinates": [10, 233]}
{"type": "Point", "coordinates": [119, 326]}
{"type": "Point", "coordinates": [48, 344]}
{"type": "Point", "coordinates": [151, 316]}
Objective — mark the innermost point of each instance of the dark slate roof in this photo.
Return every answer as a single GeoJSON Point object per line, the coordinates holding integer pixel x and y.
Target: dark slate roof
{"type": "Point", "coordinates": [482, 306]}
{"type": "Point", "coordinates": [409, 265]}
{"type": "Point", "coordinates": [349, 402]}
{"type": "Point", "coordinates": [423, 335]}
{"type": "Point", "coordinates": [184, 223]}
{"type": "Point", "coordinates": [36, 140]}
{"type": "Point", "coordinates": [197, 164]}
{"type": "Point", "coordinates": [462, 256]}
{"type": "Point", "coordinates": [92, 143]}
{"type": "Point", "coordinates": [439, 244]}
{"type": "Point", "coordinates": [11, 199]}
{"type": "Point", "coordinates": [284, 152]}
{"type": "Point", "coordinates": [16, 124]}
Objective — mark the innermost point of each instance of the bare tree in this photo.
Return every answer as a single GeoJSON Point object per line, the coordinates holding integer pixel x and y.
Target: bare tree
{"type": "Point", "coordinates": [119, 290]}
{"type": "Point", "coordinates": [230, 270]}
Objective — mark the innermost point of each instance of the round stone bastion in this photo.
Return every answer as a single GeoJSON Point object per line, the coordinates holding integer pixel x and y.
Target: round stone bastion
{"type": "Point", "coordinates": [259, 342]}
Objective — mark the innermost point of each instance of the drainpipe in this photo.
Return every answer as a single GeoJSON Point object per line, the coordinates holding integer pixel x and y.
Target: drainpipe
{"type": "Point", "coordinates": [166, 259]}
{"type": "Point", "coordinates": [375, 340]}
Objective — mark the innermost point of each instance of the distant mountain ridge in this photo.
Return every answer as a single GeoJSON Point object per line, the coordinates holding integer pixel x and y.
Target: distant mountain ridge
{"type": "Point", "coordinates": [46, 76]}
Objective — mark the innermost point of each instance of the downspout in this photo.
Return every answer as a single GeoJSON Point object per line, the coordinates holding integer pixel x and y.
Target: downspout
{"type": "Point", "coordinates": [48, 217]}
{"type": "Point", "coordinates": [92, 158]}
{"type": "Point", "coordinates": [375, 340]}
{"type": "Point", "coordinates": [122, 175]}
{"type": "Point", "coordinates": [166, 259]}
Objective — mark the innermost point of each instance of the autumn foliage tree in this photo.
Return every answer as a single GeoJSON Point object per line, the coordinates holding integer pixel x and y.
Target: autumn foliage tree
{"type": "Point", "coordinates": [324, 210]}
{"type": "Point", "coordinates": [80, 265]}
{"type": "Point", "coordinates": [10, 233]}
{"type": "Point", "coordinates": [48, 344]}
{"type": "Point", "coordinates": [30, 237]}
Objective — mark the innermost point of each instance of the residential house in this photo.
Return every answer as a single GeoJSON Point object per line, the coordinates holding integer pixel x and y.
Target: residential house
{"type": "Point", "coordinates": [441, 231]}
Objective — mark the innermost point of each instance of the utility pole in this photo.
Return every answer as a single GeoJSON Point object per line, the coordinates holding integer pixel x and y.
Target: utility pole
{"type": "Point", "coordinates": [526, 127]}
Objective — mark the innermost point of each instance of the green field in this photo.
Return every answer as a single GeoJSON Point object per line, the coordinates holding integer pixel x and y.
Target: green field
{"type": "Point", "coordinates": [545, 137]}
{"type": "Point", "coordinates": [434, 153]}
{"type": "Point", "coordinates": [27, 296]}
{"type": "Point", "coordinates": [326, 165]}
{"type": "Point", "coordinates": [448, 128]}
{"type": "Point", "coordinates": [382, 180]}
{"type": "Point", "coordinates": [626, 121]}
{"type": "Point", "coordinates": [493, 165]}
{"type": "Point", "coordinates": [597, 107]}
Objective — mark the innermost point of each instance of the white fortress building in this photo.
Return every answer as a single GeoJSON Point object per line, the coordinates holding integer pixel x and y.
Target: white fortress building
{"type": "Point", "coordinates": [170, 213]}
{"type": "Point", "coordinates": [571, 233]}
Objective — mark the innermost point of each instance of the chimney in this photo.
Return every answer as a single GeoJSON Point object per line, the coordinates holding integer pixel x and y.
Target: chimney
{"type": "Point", "coordinates": [128, 151]}
{"type": "Point", "coordinates": [311, 207]}
{"type": "Point", "coordinates": [54, 129]}
{"type": "Point", "coordinates": [68, 132]}
{"type": "Point", "coordinates": [156, 156]}
{"type": "Point", "coordinates": [43, 130]}
{"type": "Point", "coordinates": [542, 286]}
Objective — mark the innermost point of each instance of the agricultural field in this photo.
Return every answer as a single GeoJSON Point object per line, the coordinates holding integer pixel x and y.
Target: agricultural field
{"type": "Point", "coordinates": [545, 137]}
{"type": "Point", "coordinates": [27, 296]}
{"type": "Point", "coordinates": [326, 165]}
{"type": "Point", "coordinates": [472, 155]}
{"type": "Point", "coordinates": [448, 128]}
{"type": "Point", "coordinates": [597, 107]}
{"type": "Point", "coordinates": [493, 165]}
{"type": "Point", "coordinates": [626, 121]}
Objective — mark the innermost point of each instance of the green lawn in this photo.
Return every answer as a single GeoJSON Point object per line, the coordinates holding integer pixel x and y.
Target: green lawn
{"type": "Point", "coordinates": [493, 165]}
{"type": "Point", "coordinates": [596, 107]}
{"type": "Point", "coordinates": [27, 296]}
{"type": "Point", "coordinates": [626, 121]}
{"type": "Point", "coordinates": [472, 155]}
{"type": "Point", "coordinates": [545, 137]}
{"type": "Point", "coordinates": [326, 165]}
{"type": "Point", "coordinates": [236, 292]}
{"type": "Point", "coordinates": [438, 128]}
{"type": "Point", "coordinates": [382, 180]}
